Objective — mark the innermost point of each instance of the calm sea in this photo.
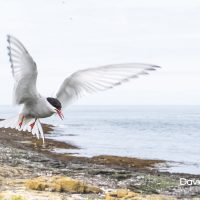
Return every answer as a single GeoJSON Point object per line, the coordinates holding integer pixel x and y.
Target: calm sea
{"type": "Point", "coordinates": [169, 133]}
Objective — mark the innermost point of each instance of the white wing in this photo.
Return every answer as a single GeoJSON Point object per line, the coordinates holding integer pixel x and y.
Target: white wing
{"type": "Point", "coordinates": [99, 79]}
{"type": "Point", "coordinates": [24, 71]}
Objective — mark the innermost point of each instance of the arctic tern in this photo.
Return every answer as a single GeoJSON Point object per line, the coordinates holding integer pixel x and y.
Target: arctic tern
{"type": "Point", "coordinates": [80, 83]}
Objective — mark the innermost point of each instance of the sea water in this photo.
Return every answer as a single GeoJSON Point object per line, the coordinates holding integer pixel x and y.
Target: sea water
{"type": "Point", "coordinates": [169, 133]}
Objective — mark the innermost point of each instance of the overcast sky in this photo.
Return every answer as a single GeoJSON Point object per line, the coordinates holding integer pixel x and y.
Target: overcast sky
{"type": "Point", "coordinates": [67, 35]}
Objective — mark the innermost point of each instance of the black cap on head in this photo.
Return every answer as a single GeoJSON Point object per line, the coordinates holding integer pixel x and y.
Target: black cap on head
{"type": "Point", "coordinates": [54, 102]}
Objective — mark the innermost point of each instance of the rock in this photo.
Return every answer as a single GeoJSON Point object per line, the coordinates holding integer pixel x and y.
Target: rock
{"type": "Point", "coordinates": [158, 197]}
{"type": "Point", "coordinates": [32, 195]}
{"type": "Point", "coordinates": [37, 184]}
{"type": "Point", "coordinates": [6, 196]}
{"type": "Point", "coordinates": [61, 184]}
{"type": "Point", "coordinates": [121, 194]}
{"type": "Point", "coordinates": [124, 194]}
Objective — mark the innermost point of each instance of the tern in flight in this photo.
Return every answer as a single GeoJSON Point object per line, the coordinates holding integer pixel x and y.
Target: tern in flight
{"type": "Point", "coordinates": [36, 106]}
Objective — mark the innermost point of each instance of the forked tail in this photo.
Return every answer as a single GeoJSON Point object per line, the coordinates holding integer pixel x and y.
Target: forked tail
{"type": "Point", "coordinates": [14, 123]}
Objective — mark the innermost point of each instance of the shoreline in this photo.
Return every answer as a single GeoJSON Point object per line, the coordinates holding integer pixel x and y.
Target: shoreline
{"type": "Point", "coordinates": [23, 157]}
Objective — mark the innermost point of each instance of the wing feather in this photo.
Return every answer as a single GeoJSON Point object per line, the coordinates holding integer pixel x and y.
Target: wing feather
{"type": "Point", "coordinates": [24, 72]}
{"type": "Point", "coordinates": [97, 79]}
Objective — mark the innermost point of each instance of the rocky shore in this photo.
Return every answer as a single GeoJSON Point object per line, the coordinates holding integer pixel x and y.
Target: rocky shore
{"type": "Point", "coordinates": [30, 170]}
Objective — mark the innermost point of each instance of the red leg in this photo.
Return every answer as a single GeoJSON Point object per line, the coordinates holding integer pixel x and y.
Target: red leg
{"type": "Point", "coordinates": [33, 124]}
{"type": "Point", "coordinates": [21, 122]}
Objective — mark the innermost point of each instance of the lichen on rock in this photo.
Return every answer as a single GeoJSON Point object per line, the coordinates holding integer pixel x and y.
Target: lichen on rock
{"type": "Point", "coordinates": [10, 196]}
{"type": "Point", "coordinates": [61, 184]}
{"type": "Point", "coordinates": [121, 194]}
{"type": "Point", "coordinates": [125, 194]}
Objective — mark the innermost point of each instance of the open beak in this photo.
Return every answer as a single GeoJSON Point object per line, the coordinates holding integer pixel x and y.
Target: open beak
{"type": "Point", "coordinates": [60, 114]}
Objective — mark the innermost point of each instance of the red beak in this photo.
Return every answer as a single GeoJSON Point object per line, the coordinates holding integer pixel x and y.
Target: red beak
{"type": "Point", "coordinates": [60, 114]}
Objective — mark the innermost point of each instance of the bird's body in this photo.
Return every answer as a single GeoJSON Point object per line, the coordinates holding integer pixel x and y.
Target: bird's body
{"type": "Point", "coordinates": [36, 106]}
{"type": "Point", "coordinates": [37, 109]}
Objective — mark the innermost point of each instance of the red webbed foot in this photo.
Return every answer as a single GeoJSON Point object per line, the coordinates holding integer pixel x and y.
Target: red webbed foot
{"type": "Point", "coordinates": [33, 124]}
{"type": "Point", "coordinates": [21, 122]}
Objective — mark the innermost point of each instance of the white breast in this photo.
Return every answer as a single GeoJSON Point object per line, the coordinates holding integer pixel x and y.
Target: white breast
{"type": "Point", "coordinates": [39, 108]}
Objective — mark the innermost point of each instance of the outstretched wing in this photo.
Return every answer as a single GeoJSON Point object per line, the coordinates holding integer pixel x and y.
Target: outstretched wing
{"type": "Point", "coordinates": [99, 79]}
{"type": "Point", "coordinates": [24, 72]}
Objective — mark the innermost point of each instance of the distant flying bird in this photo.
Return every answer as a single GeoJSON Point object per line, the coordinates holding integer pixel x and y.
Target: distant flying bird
{"type": "Point", "coordinates": [36, 106]}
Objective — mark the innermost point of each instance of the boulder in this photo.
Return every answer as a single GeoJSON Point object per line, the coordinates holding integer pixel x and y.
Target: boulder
{"type": "Point", "coordinates": [61, 184]}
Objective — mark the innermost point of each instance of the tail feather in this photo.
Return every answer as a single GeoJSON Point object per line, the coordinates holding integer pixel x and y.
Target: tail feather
{"type": "Point", "coordinates": [14, 124]}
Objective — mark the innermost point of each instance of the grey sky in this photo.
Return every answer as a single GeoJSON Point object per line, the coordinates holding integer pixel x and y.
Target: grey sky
{"type": "Point", "coordinates": [64, 36]}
